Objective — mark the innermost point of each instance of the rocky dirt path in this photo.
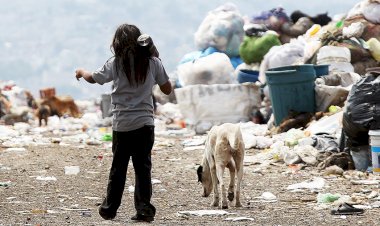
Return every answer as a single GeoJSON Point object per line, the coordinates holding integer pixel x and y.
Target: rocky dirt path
{"type": "Point", "coordinates": [36, 191]}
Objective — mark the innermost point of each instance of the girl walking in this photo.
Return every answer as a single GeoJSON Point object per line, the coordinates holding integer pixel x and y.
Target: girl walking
{"type": "Point", "coordinates": [134, 70]}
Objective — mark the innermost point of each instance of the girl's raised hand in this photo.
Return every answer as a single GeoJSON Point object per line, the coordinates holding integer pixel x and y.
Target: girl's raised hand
{"type": "Point", "coordinates": [78, 74]}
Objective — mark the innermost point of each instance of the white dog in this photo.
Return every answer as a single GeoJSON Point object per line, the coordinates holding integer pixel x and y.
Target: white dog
{"type": "Point", "coordinates": [224, 148]}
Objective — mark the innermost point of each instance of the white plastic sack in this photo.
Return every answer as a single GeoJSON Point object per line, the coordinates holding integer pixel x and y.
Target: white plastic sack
{"type": "Point", "coordinates": [215, 68]}
{"type": "Point", "coordinates": [222, 28]}
{"type": "Point", "coordinates": [307, 153]}
{"type": "Point", "coordinates": [206, 105]}
{"type": "Point", "coordinates": [284, 55]}
{"type": "Point", "coordinates": [329, 53]}
{"type": "Point", "coordinates": [328, 124]}
{"type": "Point", "coordinates": [371, 11]}
{"type": "Point", "coordinates": [311, 47]}
{"type": "Point", "coordinates": [356, 10]}
{"type": "Point", "coordinates": [354, 30]}
{"type": "Point", "coordinates": [317, 184]}
{"type": "Point", "coordinates": [337, 57]}
{"type": "Point", "coordinates": [312, 39]}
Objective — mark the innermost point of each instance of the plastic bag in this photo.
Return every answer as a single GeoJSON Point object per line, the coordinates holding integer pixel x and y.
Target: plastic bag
{"type": "Point", "coordinates": [338, 58]}
{"type": "Point", "coordinates": [273, 19]}
{"type": "Point", "coordinates": [223, 29]}
{"type": "Point", "coordinates": [206, 105]}
{"type": "Point", "coordinates": [354, 30]}
{"type": "Point", "coordinates": [371, 11]}
{"type": "Point", "coordinates": [253, 49]}
{"type": "Point", "coordinates": [361, 112]}
{"type": "Point", "coordinates": [325, 142]}
{"type": "Point", "coordinates": [356, 10]}
{"type": "Point", "coordinates": [284, 55]}
{"type": "Point", "coordinates": [212, 69]}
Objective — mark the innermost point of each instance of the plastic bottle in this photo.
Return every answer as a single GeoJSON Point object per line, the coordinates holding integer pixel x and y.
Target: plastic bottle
{"type": "Point", "coordinates": [146, 40]}
{"type": "Point", "coordinates": [374, 48]}
{"type": "Point", "coordinates": [339, 24]}
{"type": "Point", "coordinates": [327, 198]}
{"type": "Point", "coordinates": [313, 30]}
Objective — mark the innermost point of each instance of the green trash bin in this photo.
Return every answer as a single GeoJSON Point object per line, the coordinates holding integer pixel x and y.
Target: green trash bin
{"type": "Point", "coordinates": [291, 88]}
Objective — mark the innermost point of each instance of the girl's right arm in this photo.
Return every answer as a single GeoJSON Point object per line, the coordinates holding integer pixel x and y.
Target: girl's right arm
{"type": "Point", "coordinates": [81, 73]}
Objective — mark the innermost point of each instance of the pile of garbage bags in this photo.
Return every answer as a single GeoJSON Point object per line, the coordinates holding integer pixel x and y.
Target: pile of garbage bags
{"type": "Point", "coordinates": [209, 92]}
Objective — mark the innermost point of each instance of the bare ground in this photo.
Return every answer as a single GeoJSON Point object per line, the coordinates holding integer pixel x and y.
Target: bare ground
{"type": "Point", "coordinates": [74, 199]}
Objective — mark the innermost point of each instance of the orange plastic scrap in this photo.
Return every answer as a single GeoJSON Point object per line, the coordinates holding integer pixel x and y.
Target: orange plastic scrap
{"type": "Point", "coordinates": [182, 123]}
{"type": "Point", "coordinates": [295, 167]}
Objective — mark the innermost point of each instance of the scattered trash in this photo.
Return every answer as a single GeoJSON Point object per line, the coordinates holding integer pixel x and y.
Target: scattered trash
{"type": "Point", "coordinates": [5, 168]}
{"type": "Point", "coordinates": [56, 140]}
{"type": "Point", "coordinates": [93, 142]}
{"type": "Point", "coordinates": [292, 136]}
{"type": "Point", "coordinates": [365, 182]}
{"type": "Point", "coordinates": [317, 183]}
{"type": "Point", "coordinates": [294, 168]}
{"type": "Point", "coordinates": [74, 209]}
{"type": "Point", "coordinates": [239, 219]}
{"type": "Point", "coordinates": [163, 143]}
{"type": "Point", "coordinates": [327, 197]}
{"type": "Point", "coordinates": [52, 178]}
{"type": "Point", "coordinates": [72, 170]}
{"type": "Point", "coordinates": [201, 213]}
{"type": "Point", "coordinates": [86, 214]}
{"type": "Point", "coordinates": [266, 197]}
{"type": "Point", "coordinates": [372, 195]}
{"type": "Point", "coordinates": [107, 137]}
{"type": "Point", "coordinates": [194, 148]}
{"type": "Point", "coordinates": [91, 198]}
{"type": "Point", "coordinates": [180, 132]}
{"type": "Point", "coordinates": [131, 188]}
{"type": "Point", "coordinates": [155, 181]}
{"type": "Point", "coordinates": [376, 204]}
{"type": "Point", "coordinates": [16, 150]}
{"type": "Point", "coordinates": [194, 142]}
{"type": "Point", "coordinates": [5, 183]}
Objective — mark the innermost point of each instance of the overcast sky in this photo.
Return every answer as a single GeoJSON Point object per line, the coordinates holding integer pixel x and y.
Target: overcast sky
{"type": "Point", "coordinates": [42, 42]}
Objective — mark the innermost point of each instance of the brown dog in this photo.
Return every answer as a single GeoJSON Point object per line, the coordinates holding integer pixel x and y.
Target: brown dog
{"type": "Point", "coordinates": [224, 148]}
{"type": "Point", "coordinates": [43, 113]}
{"type": "Point", "coordinates": [62, 106]}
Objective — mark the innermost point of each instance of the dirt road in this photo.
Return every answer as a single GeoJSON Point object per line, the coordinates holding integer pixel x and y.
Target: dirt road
{"type": "Point", "coordinates": [36, 191]}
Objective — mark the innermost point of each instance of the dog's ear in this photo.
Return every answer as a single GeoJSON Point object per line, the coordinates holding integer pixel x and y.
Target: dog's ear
{"type": "Point", "coordinates": [199, 173]}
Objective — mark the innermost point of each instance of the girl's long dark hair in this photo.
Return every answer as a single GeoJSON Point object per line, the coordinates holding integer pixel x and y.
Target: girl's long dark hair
{"type": "Point", "coordinates": [130, 57]}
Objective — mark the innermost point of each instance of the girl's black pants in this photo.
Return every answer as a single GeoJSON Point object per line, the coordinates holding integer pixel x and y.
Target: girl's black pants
{"type": "Point", "coordinates": [136, 145]}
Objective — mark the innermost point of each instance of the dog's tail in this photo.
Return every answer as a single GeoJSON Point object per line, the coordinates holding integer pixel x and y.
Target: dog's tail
{"type": "Point", "coordinates": [236, 139]}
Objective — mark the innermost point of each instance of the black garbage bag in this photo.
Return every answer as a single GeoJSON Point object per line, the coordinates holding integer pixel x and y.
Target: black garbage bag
{"type": "Point", "coordinates": [362, 111]}
{"type": "Point", "coordinates": [325, 143]}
